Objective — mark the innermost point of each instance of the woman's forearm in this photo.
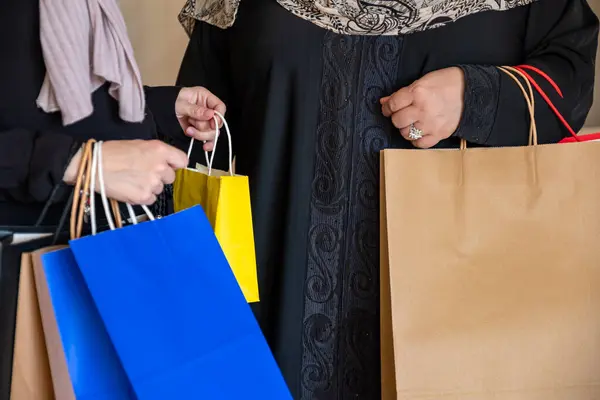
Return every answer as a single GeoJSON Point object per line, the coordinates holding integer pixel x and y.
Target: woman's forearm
{"type": "Point", "coordinates": [561, 41]}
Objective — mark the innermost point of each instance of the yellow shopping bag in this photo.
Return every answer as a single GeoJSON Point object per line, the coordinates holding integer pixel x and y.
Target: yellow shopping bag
{"type": "Point", "coordinates": [225, 198]}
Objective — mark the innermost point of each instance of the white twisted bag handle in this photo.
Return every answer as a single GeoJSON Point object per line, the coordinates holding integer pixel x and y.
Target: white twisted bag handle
{"type": "Point", "coordinates": [98, 172]}
{"type": "Point", "coordinates": [209, 162]}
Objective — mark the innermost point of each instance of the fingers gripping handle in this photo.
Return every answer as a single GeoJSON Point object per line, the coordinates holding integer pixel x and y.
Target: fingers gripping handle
{"type": "Point", "coordinates": [97, 175]}
{"type": "Point", "coordinates": [210, 160]}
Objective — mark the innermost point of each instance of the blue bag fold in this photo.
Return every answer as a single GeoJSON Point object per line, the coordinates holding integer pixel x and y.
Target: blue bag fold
{"type": "Point", "coordinates": [83, 361]}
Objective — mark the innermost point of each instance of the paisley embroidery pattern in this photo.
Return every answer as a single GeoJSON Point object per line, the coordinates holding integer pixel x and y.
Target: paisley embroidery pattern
{"type": "Point", "coordinates": [340, 339]}
{"type": "Point", "coordinates": [355, 17]}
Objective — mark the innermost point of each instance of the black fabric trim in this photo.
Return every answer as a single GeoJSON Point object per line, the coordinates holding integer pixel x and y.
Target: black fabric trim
{"type": "Point", "coordinates": [482, 93]}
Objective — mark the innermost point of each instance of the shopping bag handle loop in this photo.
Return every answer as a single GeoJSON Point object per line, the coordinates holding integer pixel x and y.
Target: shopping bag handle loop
{"type": "Point", "coordinates": [90, 172]}
{"type": "Point", "coordinates": [98, 171]}
{"type": "Point", "coordinates": [545, 97]}
{"type": "Point", "coordinates": [81, 191]}
{"type": "Point", "coordinates": [209, 161]}
{"type": "Point", "coordinates": [529, 97]}
{"type": "Point", "coordinates": [512, 72]}
{"type": "Point", "coordinates": [51, 199]}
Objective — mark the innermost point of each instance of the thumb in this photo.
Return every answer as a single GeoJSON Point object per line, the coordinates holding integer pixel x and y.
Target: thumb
{"type": "Point", "coordinates": [176, 158]}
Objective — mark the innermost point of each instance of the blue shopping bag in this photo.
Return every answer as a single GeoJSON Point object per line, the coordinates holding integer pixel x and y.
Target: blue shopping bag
{"type": "Point", "coordinates": [83, 361]}
{"type": "Point", "coordinates": [175, 313]}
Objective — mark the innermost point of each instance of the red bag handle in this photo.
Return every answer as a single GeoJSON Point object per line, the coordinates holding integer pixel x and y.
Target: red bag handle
{"type": "Point", "coordinates": [524, 69]}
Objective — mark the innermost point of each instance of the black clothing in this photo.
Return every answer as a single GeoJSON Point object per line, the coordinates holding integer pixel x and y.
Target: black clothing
{"type": "Point", "coordinates": [303, 106]}
{"type": "Point", "coordinates": [34, 146]}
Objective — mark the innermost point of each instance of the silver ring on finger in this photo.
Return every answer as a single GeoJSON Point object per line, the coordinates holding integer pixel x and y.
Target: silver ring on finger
{"type": "Point", "coordinates": [414, 133]}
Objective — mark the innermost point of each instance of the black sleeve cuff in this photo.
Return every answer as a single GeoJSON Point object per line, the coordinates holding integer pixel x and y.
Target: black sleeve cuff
{"type": "Point", "coordinates": [50, 158]}
{"type": "Point", "coordinates": [482, 92]}
{"type": "Point", "coordinates": [14, 165]}
{"type": "Point", "coordinates": [161, 105]}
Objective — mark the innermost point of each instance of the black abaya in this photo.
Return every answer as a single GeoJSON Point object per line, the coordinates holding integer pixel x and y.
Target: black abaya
{"type": "Point", "coordinates": [303, 105]}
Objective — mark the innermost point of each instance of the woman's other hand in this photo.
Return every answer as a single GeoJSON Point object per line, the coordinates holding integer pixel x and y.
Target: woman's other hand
{"type": "Point", "coordinates": [434, 104]}
{"type": "Point", "coordinates": [195, 107]}
{"type": "Point", "coordinates": [135, 171]}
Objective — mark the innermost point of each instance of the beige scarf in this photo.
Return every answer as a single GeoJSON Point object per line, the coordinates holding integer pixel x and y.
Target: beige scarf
{"type": "Point", "coordinates": [355, 17]}
{"type": "Point", "coordinates": [85, 44]}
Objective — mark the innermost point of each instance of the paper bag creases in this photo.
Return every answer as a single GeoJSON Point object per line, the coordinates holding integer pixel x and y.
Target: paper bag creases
{"type": "Point", "coordinates": [31, 378]}
{"type": "Point", "coordinates": [491, 273]}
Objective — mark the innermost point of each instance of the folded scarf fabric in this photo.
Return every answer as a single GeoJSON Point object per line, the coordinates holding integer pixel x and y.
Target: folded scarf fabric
{"type": "Point", "coordinates": [354, 17]}
{"type": "Point", "coordinates": [85, 44]}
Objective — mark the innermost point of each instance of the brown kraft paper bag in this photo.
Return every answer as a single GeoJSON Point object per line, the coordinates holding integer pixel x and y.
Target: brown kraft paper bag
{"type": "Point", "coordinates": [490, 273]}
{"type": "Point", "coordinates": [31, 378]}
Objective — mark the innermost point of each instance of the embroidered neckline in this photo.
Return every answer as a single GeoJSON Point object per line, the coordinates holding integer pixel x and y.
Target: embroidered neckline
{"type": "Point", "coordinates": [354, 17]}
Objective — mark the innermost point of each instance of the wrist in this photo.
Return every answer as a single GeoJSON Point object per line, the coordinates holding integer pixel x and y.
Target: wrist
{"type": "Point", "coordinates": [481, 96]}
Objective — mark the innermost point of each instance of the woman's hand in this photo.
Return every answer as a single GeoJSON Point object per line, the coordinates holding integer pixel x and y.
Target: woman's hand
{"type": "Point", "coordinates": [195, 107]}
{"type": "Point", "coordinates": [135, 171]}
{"type": "Point", "coordinates": [434, 104]}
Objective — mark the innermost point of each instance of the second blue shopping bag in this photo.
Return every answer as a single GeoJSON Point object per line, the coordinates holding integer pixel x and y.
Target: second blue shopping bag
{"type": "Point", "coordinates": [83, 362]}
